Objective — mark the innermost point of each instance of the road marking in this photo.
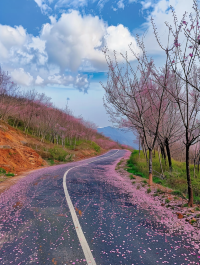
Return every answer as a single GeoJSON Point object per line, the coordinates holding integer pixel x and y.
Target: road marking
{"type": "Point", "coordinates": [86, 249]}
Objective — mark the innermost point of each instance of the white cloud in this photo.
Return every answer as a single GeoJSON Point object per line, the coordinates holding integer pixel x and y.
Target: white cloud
{"type": "Point", "coordinates": [72, 39]}
{"type": "Point", "coordinates": [118, 38]}
{"type": "Point", "coordinates": [43, 6]}
{"type": "Point", "coordinates": [52, 19]}
{"type": "Point", "coordinates": [120, 4]}
{"type": "Point", "coordinates": [39, 80]}
{"type": "Point", "coordinates": [9, 38]}
{"type": "Point", "coordinates": [72, 43]}
{"type": "Point", "coordinates": [81, 82]}
{"type": "Point", "coordinates": [146, 5]}
{"type": "Point", "coordinates": [79, 40]}
{"type": "Point", "coordinates": [39, 2]}
{"type": "Point", "coordinates": [21, 77]}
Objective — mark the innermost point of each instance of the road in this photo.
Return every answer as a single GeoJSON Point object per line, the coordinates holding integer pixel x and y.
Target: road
{"type": "Point", "coordinates": [37, 221]}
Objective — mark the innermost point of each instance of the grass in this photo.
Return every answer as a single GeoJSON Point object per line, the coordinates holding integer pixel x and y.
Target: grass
{"type": "Point", "coordinates": [4, 175]}
{"type": "Point", "coordinates": [2, 171]}
{"type": "Point", "coordinates": [9, 174]}
{"type": "Point", "coordinates": [131, 176]}
{"type": "Point", "coordinates": [148, 190]}
{"type": "Point", "coordinates": [58, 153]}
{"type": "Point", "coordinates": [176, 180]}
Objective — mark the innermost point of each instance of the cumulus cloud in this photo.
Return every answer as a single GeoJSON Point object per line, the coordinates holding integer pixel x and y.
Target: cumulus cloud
{"type": "Point", "coordinates": [72, 39]}
{"type": "Point", "coordinates": [9, 38]}
{"type": "Point", "coordinates": [80, 39]}
{"type": "Point", "coordinates": [39, 80]}
{"type": "Point", "coordinates": [21, 77]}
{"type": "Point", "coordinates": [64, 46]}
{"type": "Point", "coordinates": [118, 38]}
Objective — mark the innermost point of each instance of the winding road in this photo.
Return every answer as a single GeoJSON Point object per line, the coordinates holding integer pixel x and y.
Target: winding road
{"type": "Point", "coordinates": [71, 214]}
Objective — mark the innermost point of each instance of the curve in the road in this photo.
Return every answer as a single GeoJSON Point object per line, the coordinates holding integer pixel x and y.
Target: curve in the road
{"type": "Point", "coordinates": [86, 249]}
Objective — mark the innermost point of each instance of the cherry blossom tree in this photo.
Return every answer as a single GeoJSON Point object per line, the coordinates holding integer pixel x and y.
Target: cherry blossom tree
{"type": "Point", "coordinates": [183, 56]}
{"type": "Point", "coordinates": [136, 96]}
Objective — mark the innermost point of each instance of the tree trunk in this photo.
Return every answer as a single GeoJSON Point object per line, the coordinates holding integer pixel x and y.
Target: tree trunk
{"type": "Point", "coordinates": [160, 163]}
{"type": "Point", "coordinates": [168, 154]}
{"type": "Point", "coordinates": [163, 152]}
{"type": "Point", "coordinates": [139, 146]}
{"type": "Point", "coordinates": [150, 167]}
{"type": "Point", "coordinates": [145, 151]}
{"type": "Point", "coordinates": [190, 192]}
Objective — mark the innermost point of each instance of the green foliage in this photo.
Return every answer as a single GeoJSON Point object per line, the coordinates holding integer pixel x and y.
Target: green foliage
{"type": "Point", "coordinates": [177, 192]}
{"type": "Point", "coordinates": [2, 171]}
{"type": "Point", "coordinates": [144, 181]}
{"type": "Point", "coordinates": [160, 191]}
{"type": "Point", "coordinates": [133, 182]}
{"type": "Point", "coordinates": [132, 167]}
{"type": "Point", "coordinates": [9, 174]}
{"type": "Point", "coordinates": [197, 209]}
{"type": "Point", "coordinates": [96, 147]}
{"type": "Point", "coordinates": [176, 180]}
{"type": "Point", "coordinates": [158, 180]}
{"type": "Point", "coordinates": [120, 162]}
{"type": "Point", "coordinates": [167, 201]}
{"type": "Point", "coordinates": [148, 190]}
{"type": "Point", "coordinates": [58, 153]}
{"type": "Point", "coordinates": [131, 176]}
{"type": "Point", "coordinates": [51, 162]}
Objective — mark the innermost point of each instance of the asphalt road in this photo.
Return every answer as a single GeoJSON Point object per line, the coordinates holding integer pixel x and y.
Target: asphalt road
{"type": "Point", "coordinates": [37, 228]}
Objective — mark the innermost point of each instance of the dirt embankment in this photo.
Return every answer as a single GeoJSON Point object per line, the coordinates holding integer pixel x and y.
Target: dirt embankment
{"type": "Point", "coordinates": [15, 156]}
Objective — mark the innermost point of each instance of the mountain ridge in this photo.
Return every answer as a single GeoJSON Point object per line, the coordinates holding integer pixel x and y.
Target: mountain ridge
{"type": "Point", "coordinates": [123, 136]}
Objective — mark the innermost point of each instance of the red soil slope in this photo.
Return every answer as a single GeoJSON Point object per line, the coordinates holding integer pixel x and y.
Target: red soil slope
{"type": "Point", "coordinates": [15, 157]}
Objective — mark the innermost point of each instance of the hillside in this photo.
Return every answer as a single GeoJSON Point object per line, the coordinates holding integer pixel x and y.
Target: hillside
{"type": "Point", "coordinates": [20, 152]}
{"type": "Point", "coordinates": [124, 136]}
{"type": "Point", "coordinates": [35, 133]}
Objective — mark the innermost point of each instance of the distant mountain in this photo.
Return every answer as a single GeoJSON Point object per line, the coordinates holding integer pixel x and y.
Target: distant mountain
{"type": "Point", "coordinates": [122, 136]}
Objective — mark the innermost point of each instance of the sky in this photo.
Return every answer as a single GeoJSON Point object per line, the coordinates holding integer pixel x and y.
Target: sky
{"type": "Point", "coordinates": [55, 46]}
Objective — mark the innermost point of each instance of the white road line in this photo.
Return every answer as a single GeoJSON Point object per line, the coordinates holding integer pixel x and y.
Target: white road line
{"type": "Point", "coordinates": [86, 249]}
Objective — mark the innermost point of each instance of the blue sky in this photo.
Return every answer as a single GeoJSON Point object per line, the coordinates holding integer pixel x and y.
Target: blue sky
{"type": "Point", "coordinates": [54, 46]}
